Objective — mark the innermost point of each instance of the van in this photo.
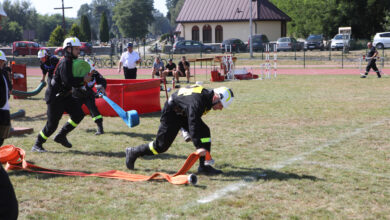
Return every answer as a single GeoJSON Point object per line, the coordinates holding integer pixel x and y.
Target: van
{"type": "Point", "coordinates": [258, 41]}
{"type": "Point", "coordinates": [25, 48]}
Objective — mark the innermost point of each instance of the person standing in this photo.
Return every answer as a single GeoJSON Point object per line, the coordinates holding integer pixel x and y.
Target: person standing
{"type": "Point", "coordinates": [184, 70]}
{"type": "Point", "coordinates": [371, 57]}
{"type": "Point", "coordinates": [184, 109]}
{"type": "Point", "coordinates": [48, 64]}
{"type": "Point", "coordinates": [129, 61]}
{"type": "Point", "coordinates": [70, 74]}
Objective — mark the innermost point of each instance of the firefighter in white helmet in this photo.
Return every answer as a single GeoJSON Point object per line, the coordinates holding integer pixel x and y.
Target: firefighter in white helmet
{"type": "Point", "coordinates": [184, 109]}
{"type": "Point", "coordinates": [48, 64]}
{"type": "Point", "coordinates": [59, 99]}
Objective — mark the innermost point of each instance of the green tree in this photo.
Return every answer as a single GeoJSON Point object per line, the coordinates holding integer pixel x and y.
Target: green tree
{"type": "Point", "coordinates": [160, 24]}
{"type": "Point", "coordinates": [104, 33]}
{"type": "Point", "coordinates": [85, 29]}
{"type": "Point", "coordinates": [174, 7]}
{"type": "Point", "coordinates": [74, 31]}
{"type": "Point", "coordinates": [11, 31]}
{"type": "Point", "coordinates": [133, 17]}
{"type": "Point", "coordinates": [56, 37]}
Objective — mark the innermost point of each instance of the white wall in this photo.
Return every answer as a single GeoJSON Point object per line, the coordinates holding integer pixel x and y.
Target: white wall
{"type": "Point", "coordinates": [239, 30]}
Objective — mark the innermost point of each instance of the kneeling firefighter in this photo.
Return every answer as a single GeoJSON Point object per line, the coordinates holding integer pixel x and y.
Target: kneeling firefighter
{"type": "Point", "coordinates": [48, 64]}
{"type": "Point", "coordinates": [184, 109]}
{"type": "Point", "coordinates": [69, 73]}
{"type": "Point", "coordinates": [88, 97]}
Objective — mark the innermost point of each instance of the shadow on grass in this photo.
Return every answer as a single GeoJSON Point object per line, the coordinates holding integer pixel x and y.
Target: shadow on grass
{"type": "Point", "coordinates": [40, 117]}
{"type": "Point", "coordinates": [151, 115]}
{"type": "Point", "coordinates": [256, 174]}
{"type": "Point", "coordinates": [146, 137]}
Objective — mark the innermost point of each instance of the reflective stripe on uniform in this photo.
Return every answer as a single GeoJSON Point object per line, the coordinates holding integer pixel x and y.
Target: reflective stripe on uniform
{"type": "Point", "coordinates": [43, 135]}
{"type": "Point", "coordinates": [205, 140]}
{"type": "Point", "coordinates": [189, 91]}
{"type": "Point", "coordinates": [97, 117]}
{"type": "Point", "coordinates": [70, 121]}
{"type": "Point", "coordinates": [152, 148]}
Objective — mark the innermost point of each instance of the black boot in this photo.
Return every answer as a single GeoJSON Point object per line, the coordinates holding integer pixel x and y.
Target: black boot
{"type": "Point", "coordinates": [61, 137]}
{"type": "Point", "coordinates": [364, 76]}
{"type": "Point", "coordinates": [378, 74]}
{"type": "Point", "coordinates": [100, 128]}
{"type": "Point", "coordinates": [38, 145]}
{"type": "Point", "coordinates": [132, 153]}
{"type": "Point", "coordinates": [207, 169]}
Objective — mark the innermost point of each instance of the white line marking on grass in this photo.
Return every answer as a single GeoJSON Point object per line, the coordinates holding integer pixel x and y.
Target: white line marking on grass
{"type": "Point", "coordinates": [237, 186]}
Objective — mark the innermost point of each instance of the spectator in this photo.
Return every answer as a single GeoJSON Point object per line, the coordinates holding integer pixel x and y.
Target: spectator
{"type": "Point", "coordinates": [129, 60]}
{"type": "Point", "coordinates": [184, 70]}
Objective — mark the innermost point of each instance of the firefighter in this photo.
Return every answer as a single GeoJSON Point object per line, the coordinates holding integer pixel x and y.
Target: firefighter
{"type": "Point", "coordinates": [5, 91]}
{"type": "Point", "coordinates": [184, 109]}
{"type": "Point", "coordinates": [70, 74]}
{"type": "Point", "coordinates": [90, 95]}
{"type": "Point", "coordinates": [372, 55]}
{"type": "Point", "coordinates": [48, 64]}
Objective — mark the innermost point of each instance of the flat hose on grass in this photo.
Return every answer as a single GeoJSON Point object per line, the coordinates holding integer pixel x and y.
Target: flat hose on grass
{"type": "Point", "coordinates": [32, 93]}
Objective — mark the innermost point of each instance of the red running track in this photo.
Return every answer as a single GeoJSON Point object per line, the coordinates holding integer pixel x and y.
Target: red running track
{"type": "Point", "coordinates": [36, 71]}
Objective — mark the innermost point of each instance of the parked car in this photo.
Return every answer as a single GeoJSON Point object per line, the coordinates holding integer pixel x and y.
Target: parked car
{"type": "Point", "coordinates": [259, 42]}
{"type": "Point", "coordinates": [25, 48]}
{"type": "Point", "coordinates": [339, 41]}
{"type": "Point", "coordinates": [236, 44]}
{"type": "Point", "coordinates": [191, 46]}
{"type": "Point", "coordinates": [86, 48]}
{"type": "Point", "coordinates": [382, 40]}
{"type": "Point", "coordinates": [314, 41]}
{"type": "Point", "coordinates": [289, 44]}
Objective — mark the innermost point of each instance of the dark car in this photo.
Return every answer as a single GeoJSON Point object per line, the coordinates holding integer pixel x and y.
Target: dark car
{"type": "Point", "coordinates": [259, 42]}
{"type": "Point", "coordinates": [315, 41]}
{"type": "Point", "coordinates": [25, 48]}
{"type": "Point", "coordinates": [86, 48]}
{"type": "Point", "coordinates": [289, 44]}
{"type": "Point", "coordinates": [191, 46]}
{"type": "Point", "coordinates": [236, 45]}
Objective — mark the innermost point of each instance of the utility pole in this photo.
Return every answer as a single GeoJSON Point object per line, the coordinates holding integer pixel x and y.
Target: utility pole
{"type": "Point", "coordinates": [63, 15]}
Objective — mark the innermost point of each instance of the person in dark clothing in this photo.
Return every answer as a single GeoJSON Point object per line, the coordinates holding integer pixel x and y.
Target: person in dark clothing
{"type": "Point", "coordinates": [184, 109]}
{"type": "Point", "coordinates": [90, 95]}
{"type": "Point", "coordinates": [184, 70]}
{"type": "Point", "coordinates": [170, 68]}
{"type": "Point", "coordinates": [8, 203]}
{"type": "Point", "coordinates": [5, 92]}
{"type": "Point", "coordinates": [371, 57]}
{"type": "Point", "coordinates": [70, 74]}
{"type": "Point", "coordinates": [48, 64]}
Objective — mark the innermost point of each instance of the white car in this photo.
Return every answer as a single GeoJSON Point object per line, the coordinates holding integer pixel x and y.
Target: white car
{"type": "Point", "coordinates": [382, 40]}
{"type": "Point", "coordinates": [339, 40]}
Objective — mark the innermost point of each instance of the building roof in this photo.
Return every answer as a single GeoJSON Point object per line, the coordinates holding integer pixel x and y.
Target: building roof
{"type": "Point", "coordinates": [229, 10]}
{"type": "Point", "coordinates": [179, 28]}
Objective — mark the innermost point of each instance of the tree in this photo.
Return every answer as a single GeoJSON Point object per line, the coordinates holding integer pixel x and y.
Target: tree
{"type": "Point", "coordinates": [56, 37]}
{"type": "Point", "coordinates": [11, 32]}
{"type": "Point", "coordinates": [104, 33]}
{"type": "Point", "coordinates": [133, 17]}
{"type": "Point", "coordinates": [160, 25]}
{"type": "Point", "coordinates": [85, 29]}
{"type": "Point", "coordinates": [174, 7]}
{"type": "Point", "coordinates": [74, 31]}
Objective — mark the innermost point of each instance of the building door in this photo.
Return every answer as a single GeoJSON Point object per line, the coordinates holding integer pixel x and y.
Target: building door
{"type": "Point", "coordinates": [207, 34]}
{"type": "Point", "coordinates": [195, 33]}
{"type": "Point", "coordinates": [284, 29]}
{"type": "Point", "coordinates": [218, 34]}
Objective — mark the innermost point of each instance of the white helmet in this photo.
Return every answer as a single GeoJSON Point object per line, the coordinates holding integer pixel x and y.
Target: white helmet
{"type": "Point", "coordinates": [2, 56]}
{"type": "Point", "coordinates": [42, 53]}
{"type": "Point", "coordinates": [71, 42]}
{"type": "Point", "coordinates": [2, 12]}
{"type": "Point", "coordinates": [91, 64]}
{"type": "Point", "coordinates": [226, 95]}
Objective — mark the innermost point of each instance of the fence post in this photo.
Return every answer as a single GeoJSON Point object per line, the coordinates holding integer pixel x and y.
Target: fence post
{"type": "Point", "coordinates": [156, 49]}
{"type": "Point", "coordinates": [144, 41]}
{"type": "Point", "coordinates": [342, 58]}
{"type": "Point", "coordinates": [201, 48]}
{"type": "Point", "coordinates": [330, 53]}
{"type": "Point", "coordinates": [304, 59]}
{"type": "Point", "coordinates": [383, 57]}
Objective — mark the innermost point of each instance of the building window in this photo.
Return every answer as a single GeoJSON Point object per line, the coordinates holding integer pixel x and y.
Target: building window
{"type": "Point", "coordinates": [218, 34]}
{"type": "Point", "coordinates": [195, 33]}
{"type": "Point", "coordinates": [207, 34]}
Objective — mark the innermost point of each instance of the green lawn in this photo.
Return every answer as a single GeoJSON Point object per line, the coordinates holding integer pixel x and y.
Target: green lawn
{"type": "Point", "coordinates": [298, 147]}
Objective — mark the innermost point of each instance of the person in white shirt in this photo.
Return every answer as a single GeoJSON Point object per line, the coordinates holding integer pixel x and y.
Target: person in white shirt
{"type": "Point", "coordinates": [129, 61]}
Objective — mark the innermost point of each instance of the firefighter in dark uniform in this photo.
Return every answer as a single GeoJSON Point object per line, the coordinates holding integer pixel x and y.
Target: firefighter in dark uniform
{"type": "Point", "coordinates": [48, 64]}
{"type": "Point", "coordinates": [184, 109]}
{"type": "Point", "coordinates": [90, 95]}
{"type": "Point", "coordinates": [371, 57]}
{"type": "Point", "coordinates": [69, 75]}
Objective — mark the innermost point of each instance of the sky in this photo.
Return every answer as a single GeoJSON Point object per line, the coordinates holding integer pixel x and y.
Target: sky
{"type": "Point", "coordinates": [47, 6]}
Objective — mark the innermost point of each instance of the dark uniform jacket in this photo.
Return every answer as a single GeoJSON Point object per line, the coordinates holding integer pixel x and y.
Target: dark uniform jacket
{"type": "Point", "coordinates": [98, 79]}
{"type": "Point", "coordinates": [49, 66]}
{"type": "Point", "coordinates": [4, 74]}
{"type": "Point", "coordinates": [193, 102]}
{"type": "Point", "coordinates": [63, 81]}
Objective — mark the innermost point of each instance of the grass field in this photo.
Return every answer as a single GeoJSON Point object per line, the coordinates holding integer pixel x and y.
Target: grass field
{"type": "Point", "coordinates": [298, 147]}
